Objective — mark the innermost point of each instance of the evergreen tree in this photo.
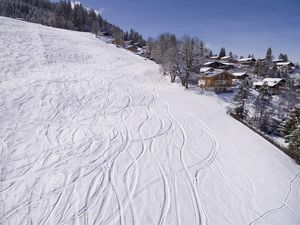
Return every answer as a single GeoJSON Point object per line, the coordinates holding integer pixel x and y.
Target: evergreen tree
{"type": "Point", "coordinates": [230, 55]}
{"type": "Point", "coordinates": [60, 20]}
{"type": "Point", "coordinates": [222, 52]}
{"type": "Point", "coordinates": [263, 107]}
{"type": "Point", "coordinates": [294, 142]}
{"type": "Point", "coordinates": [283, 57]}
{"type": "Point", "coordinates": [60, 14]}
{"type": "Point", "coordinates": [291, 123]}
{"type": "Point", "coordinates": [274, 71]}
{"type": "Point", "coordinates": [269, 56]}
{"type": "Point", "coordinates": [210, 53]}
{"type": "Point", "coordinates": [261, 68]}
{"type": "Point", "coordinates": [240, 99]}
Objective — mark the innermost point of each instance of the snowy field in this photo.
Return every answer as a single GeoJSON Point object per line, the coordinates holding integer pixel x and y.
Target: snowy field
{"type": "Point", "coordinates": [92, 134]}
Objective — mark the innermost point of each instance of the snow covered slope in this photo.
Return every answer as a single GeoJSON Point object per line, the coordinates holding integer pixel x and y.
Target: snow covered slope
{"type": "Point", "coordinates": [92, 134]}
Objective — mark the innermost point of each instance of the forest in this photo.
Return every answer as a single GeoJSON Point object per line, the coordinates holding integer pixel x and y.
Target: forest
{"type": "Point", "coordinates": [64, 15]}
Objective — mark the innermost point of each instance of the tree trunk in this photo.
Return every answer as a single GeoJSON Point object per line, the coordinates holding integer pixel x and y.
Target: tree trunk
{"type": "Point", "coordinates": [182, 80]}
{"type": "Point", "coordinates": [187, 75]}
{"type": "Point", "coordinates": [173, 78]}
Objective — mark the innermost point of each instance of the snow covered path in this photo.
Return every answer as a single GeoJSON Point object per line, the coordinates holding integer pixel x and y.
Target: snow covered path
{"type": "Point", "coordinates": [92, 134]}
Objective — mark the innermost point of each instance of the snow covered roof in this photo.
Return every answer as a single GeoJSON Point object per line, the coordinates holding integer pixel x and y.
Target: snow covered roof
{"type": "Point", "coordinates": [246, 59]}
{"type": "Point", "coordinates": [271, 82]}
{"type": "Point", "coordinates": [206, 69]}
{"type": "Point", "coordinates": [260, 83]}
{"type": "Point", "coordinates": [208, 63]}
{"type": "Point", "coordinates": [226, 57]}
{"type": "Point", "coordinates": [277, 60]}
{"type": "Point", "coordinates": [284, 64]}
{"type": "Point", "coordinates": [213, 62]}
{"type": "Point", "coordinates": [239, 74]}
{"type": "Point", "coordinates": [215, 73]}
{"type": "Point", "coordinates": [214, 57]}
{"type": "Point", "coordinates": [228, 64]}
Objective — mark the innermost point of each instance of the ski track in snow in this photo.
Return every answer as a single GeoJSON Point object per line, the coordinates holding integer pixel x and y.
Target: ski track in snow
{"type": "Point", "coordinates": [87, 138]}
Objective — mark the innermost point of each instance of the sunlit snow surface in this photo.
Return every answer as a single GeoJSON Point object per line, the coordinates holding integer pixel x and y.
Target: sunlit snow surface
{"type": "Point", "coordinates": [93, 134]}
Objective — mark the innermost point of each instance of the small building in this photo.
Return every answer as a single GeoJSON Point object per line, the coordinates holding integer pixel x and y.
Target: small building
{"type": "Point", "coordinates": [213, 64]}
{"type": "Point", "coordinates": [218, 81]}
{"type": "Point", "coordinates": [241, 75]}
{"type": "Point", "coordinates": [248, 61]}
{"type": "Point", "coordinates": [274, 84]}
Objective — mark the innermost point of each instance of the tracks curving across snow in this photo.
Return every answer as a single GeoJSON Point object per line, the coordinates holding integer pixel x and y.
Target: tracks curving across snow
{"type": "Point", "coordinates": [92, 134]}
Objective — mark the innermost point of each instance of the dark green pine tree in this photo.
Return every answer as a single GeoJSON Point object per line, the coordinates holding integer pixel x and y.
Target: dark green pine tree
{"type": "Point", "coordinates": [269, 56]}
{"type": "Point", "coordinates": [294, 142]}
{"type": "Point", "coordinates": [60, 20]}
{"type": "Point", "coordinates": [240, 99]}
{"type": "Point", "coordinates": [283, 57]}
{"type": "Point", "coordinates": [274, 71]}
{"type": "Point", "coordinates": [291, 123]}
{"type": "Point", "coordinates": [222, 52]}
{"type": "Point", "coordinates": [263, 107]}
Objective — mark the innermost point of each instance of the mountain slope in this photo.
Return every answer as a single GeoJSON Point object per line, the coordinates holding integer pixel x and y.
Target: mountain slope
{"type": "Point", "coordinates": [92, 134]}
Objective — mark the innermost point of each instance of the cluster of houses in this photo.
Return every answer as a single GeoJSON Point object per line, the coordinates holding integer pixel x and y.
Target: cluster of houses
{"type": "Point", "coordinates": [221, 74]}
{"type": "Point", "coordinates": [136, 48]}
{"type": "Point", "coordinates": [218, 74]}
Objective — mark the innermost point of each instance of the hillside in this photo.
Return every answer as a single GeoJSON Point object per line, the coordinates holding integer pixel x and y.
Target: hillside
{"type": "Point", "coordinates": [93, 134]}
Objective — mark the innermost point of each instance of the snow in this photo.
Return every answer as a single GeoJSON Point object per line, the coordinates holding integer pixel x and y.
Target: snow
{"type": "Point", "coordinates": [271, 82]}
{"type": "Point", "coordinates": [239, 74]}
{"type": "Point", "coordinates": [73, 3]}
{"type": "Point", "coordinates": [206, 69]}
{"type": "Point", "coordinates": [246, 59]}
{"type": "Point", "coordinates": [93, 134]}
{"type": "Point", "coordinates": [225, 57]}
{"type": "Point", "coordinates": [284, 63]}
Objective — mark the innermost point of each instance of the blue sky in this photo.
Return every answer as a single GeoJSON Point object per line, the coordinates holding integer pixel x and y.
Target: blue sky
{"type": "Point", "coordinates": [242, 26]}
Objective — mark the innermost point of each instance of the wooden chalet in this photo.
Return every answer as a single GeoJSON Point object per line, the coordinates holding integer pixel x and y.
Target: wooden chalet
{"type": "Point", "coordinates": [218, 81]}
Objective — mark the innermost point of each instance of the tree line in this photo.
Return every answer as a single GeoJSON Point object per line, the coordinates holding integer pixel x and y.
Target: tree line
{"type": "Point", "coordinates": [178, 57]}
{"type": "Point", "coordinates": [63, 15]}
